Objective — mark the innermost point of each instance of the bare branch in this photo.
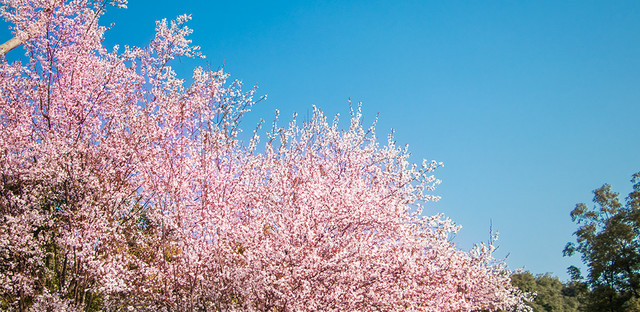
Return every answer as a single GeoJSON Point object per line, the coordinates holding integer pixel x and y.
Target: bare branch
{"type": "Point", "coordinates": [9, 45]}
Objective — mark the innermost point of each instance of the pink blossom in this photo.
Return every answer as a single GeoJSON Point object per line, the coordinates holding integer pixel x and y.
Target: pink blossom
{"type": "Point", "coordinates": [124, 188]}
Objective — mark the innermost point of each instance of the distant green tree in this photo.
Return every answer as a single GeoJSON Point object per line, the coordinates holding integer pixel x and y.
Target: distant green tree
{"type": "Point", "coordinates": [608, 239]}
{"type": "Point", "coordinates": [551, 294]}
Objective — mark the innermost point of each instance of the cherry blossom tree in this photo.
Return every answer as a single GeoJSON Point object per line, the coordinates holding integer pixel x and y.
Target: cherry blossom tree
{"type": "Point", "coordinates": [123, 188]}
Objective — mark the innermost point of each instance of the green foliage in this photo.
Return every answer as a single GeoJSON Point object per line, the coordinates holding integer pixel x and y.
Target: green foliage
{"type": "Point", "coordinates": [551, 293]}
{"type": "Point", "coordinates": [608, 239]}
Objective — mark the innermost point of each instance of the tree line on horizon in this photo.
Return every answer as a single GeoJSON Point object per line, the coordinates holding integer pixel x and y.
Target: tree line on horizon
{"type": "Point", "coordinates": [608, 241]}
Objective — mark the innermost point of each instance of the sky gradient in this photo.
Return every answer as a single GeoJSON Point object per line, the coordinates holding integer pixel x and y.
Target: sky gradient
{"type": "Point", "coordinates": [530, 104]}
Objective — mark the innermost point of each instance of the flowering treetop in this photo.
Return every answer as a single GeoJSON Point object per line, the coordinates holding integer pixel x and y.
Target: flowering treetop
{"type": "Point", "coordinates": [124, 188]}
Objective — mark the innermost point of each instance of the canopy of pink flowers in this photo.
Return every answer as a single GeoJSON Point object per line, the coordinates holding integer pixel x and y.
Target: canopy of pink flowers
{"type": "Point", "coordinates": [122, 188]}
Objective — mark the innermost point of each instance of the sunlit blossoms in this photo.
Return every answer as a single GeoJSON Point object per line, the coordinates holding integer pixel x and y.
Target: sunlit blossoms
{"type": "Point", "coordinates": [124, 188]}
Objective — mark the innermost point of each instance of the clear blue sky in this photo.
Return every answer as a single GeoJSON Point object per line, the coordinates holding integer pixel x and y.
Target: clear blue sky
{"type": "Point", "coordinates": [530, 104]}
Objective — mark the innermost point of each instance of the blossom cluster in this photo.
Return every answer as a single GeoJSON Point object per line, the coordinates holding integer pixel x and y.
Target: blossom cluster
{"type": "Point", "coordinates": [124, 188]}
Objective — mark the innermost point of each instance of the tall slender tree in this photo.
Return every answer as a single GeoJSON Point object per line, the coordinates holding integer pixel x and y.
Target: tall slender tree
{"type": "Point", "coordinates": [608, 240]}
